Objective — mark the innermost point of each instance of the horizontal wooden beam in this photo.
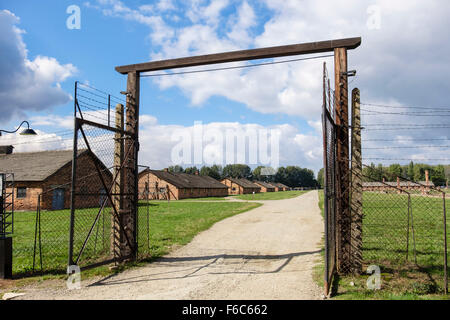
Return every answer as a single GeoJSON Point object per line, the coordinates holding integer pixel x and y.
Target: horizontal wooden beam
{"type": "Point", "coordinates": [242, 55]}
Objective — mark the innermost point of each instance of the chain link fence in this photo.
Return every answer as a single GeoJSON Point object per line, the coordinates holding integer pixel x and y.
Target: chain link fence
{"type": "Point", "coordinates": [49, 236]}
{"type": "Point", "coordinates": [329, 153]}
{"type": "Point", "coordinates": [404, 229]}
{"type": "Point", "coordinates": [41, 237]}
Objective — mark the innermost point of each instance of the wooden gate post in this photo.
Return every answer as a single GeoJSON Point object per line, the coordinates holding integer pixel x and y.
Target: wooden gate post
{"type": "Point", "coordinates": [130, 206]}
{"type": "Point", "coordinates": [343, 233]}
{"type": "Point", "coordinates": [118, 185]}
{"type": "Point", "coordinates": [356, 183]}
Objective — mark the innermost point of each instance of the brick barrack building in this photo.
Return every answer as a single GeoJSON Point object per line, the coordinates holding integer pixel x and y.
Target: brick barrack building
{"type": "Point", "coordinates": [265, 186]}
{"type": "Point", "coordinates": [165, 185]}
{"type": "Point", "coordinates": [240, 186]}
{"type": "Point", "coordinates": [280, 187]}
{"type": "Point", "coordinates": [49, 173]}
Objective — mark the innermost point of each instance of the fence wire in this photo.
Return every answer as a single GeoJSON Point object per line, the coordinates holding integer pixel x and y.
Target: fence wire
{"type": "Point", "coordinates": [405, 230]}
{"type": "Point", "coordinates": [329, 144]}
{"type": "Point", "coordinates": [41, 238]}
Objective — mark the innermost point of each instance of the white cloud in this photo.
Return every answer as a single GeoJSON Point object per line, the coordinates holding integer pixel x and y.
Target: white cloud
{"type": "Point", "coordinates": [41, 142]}
{"type": "Point", "coordinates": [27, 85]}
{"type": "Point", "coordinates": [209, 13]}
{"type": "Point", "coordinates": [165, 5]}
{"type": "Point", "coordinates": [245, 19]}
{"type": "Point", "coordinates": [157, 144]}
{"type": "Point", "coordinates": [402, 63]}
{"type": "Point", "coordinates": [53, 120]}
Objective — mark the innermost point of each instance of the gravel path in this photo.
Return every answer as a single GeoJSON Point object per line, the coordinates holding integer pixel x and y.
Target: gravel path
{"type": "Point", "coordinates": [266, 253]}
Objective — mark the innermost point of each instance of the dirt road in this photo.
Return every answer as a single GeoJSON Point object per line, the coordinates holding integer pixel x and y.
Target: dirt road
{"type": "Point", "coordinates": [265, 253]}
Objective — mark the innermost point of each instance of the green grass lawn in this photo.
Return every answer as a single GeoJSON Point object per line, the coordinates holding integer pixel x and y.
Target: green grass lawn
{"type": "Point", "coordinates": [386, 243]}
{"type": "Point", "coordinates": [169, 224]}
{"type": "Point", "coordinates": [281, 195]}
{"type": "Point", "coordinates": [202, 199]}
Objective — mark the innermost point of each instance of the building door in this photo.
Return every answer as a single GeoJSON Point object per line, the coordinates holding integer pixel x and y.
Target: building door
{"type": "Point", "coordinates": [58, 199]}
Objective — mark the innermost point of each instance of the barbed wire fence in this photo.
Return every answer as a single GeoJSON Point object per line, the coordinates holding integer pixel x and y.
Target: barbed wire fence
{"type": "Point", "coordinates": [42, 235]}
{"type": "Point", "coordinates": [405, 229]}
{"type": "Point", "coordinates": [404, 224]}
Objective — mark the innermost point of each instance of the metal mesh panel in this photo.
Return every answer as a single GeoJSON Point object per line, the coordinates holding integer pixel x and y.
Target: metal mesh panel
{"type": "Point", "coordinates": [143, 220]}
{"type": "Point", "coordinates": [404, 228]}
{"type": "Point", "coordinates": [42, 238]}
{"type": "Point", "coordinates": [329, 139]}
{"type": "Point", "coordinates": [93, 180]}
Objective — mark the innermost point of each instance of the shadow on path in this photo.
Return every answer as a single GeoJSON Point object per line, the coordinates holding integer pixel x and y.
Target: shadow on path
{"type": "Point", "coordinates": [191, 271]}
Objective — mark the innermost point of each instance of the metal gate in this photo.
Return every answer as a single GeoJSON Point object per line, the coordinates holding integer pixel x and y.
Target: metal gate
{"type": "Point", "coordinates": [329, 162]}
{"type": "Point", "coordinates": [99, 225]}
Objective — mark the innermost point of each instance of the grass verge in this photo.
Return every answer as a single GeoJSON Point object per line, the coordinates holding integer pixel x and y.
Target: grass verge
{"type": "Point", "coordinates": [171, 224]}
{"type": "Point", "coordinates": [385, 226]}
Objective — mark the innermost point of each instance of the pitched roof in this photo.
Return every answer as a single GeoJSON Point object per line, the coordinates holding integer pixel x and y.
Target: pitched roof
{"type": "Point", "coordinates": [35, 166]}
{"type": "Point", "coordinates": [279, 185]}
{"type": "Point", "coordinates": [244, 183]}
{"type": "Point", "coordinates": [265, 184]}
{"type": "Point", "coordinates": [184, 180]}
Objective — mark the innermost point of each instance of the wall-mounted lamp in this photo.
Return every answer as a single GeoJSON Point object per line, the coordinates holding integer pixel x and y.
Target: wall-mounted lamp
{"type": "Point", "coordinates": [26, 132]}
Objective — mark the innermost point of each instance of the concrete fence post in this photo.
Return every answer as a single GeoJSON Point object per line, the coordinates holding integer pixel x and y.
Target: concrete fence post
{"type": "Point", "coordinates": [356, 185]}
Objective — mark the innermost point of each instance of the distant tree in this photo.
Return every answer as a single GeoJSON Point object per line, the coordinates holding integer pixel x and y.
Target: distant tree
{"type": "Point", "coordinates": [411, 171]}
{"type": "Point", "coordinates": [394, 171]}
{"type": "Point", "coordinates": [237, 171]}
{"type": "Point", "coordinates": [370, 173]}
{"type": "Point", "coordinates": [264, 174]}
{"type": "Point", "coordinates": [320, 178]}
{"type": "Point", "coordinates": [176, 169]}
{"type": "Point", "coordinates": [380, 173]}
{"type": "Point", "coordinates": [438, 175]}
{"type": "Point", "coordinates": [191, 170]}
{"type": "Point", "coordinates": [281, 176]}
{"type": "Point", "coordinates": [299, 177]}
{"type": "Point", "coordinates": [214, 171]}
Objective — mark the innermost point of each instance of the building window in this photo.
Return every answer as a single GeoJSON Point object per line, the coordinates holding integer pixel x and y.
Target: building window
{"type": "Point", "coordinates": [21, 192]}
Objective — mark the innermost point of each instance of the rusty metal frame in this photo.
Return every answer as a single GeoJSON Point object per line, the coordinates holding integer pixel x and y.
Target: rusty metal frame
{"type": "Point", "coordinates": [107, 198]}
{"type": "Point", "coordinates": [79, 122]}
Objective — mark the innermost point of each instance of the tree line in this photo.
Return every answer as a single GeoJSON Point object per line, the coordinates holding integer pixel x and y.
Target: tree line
{"type": "Point", "coordinates": [438, 174]}
{"type": "Point", "coordinates": [412, 171]}
{"type": "Point", "coordinates": [292, 176]}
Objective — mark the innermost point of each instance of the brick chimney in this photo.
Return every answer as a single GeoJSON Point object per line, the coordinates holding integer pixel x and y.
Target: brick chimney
{"type": "Point", "coordinates": [166, 169]}
{"type": "Point", "coordinates": [384, 180]}
{"type": "Point", "coordinates": [196, 172]}
{"type": "Point", "coordinates": [398, 182]}
{"type": "Point", "coordinates": [6, 149]}
{"type": "Point", "coordinates": [427, 177]}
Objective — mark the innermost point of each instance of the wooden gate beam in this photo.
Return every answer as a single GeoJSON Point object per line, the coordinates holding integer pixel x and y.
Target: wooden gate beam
{"type": "Point", "coordinates": [339, 47]}
{"type": "Point", "coordinates": [243, 55]}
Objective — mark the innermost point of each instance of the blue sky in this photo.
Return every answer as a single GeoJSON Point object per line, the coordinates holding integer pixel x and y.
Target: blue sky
{"type": "Point", "coordinates": [395, 64]}
{"type": "Point", "coordinates": [105, 42]}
